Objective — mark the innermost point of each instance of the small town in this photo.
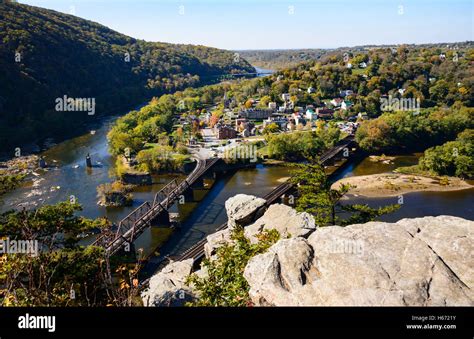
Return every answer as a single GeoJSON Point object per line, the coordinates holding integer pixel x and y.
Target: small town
{"type": "Point", "coordinates": [257, 118]}
{"type": "Point", "coordinates": [241, 164]}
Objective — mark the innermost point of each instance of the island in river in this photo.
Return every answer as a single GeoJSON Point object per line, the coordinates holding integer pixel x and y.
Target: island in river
{"type": "Point", "coordinates": [393, 184]}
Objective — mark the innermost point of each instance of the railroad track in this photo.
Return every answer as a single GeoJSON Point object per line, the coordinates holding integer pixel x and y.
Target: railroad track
{"type": "Point", "coordinates": [196, 252]}
{"type": "Point", "coordinates": [133, 225]}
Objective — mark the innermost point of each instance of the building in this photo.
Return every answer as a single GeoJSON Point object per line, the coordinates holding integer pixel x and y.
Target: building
{"type": "Point", "coordinates": [225, 132]}
{"type": "Point", "coordinates": [346, 105]}
{"type": "Point", "coordinates": [311, 90]}
{"type": "Point", "coordinates": [256, 114]}
{"type": "Point", "coordinates": [363, 65]}
{"type": "Point", "coordinates": [281, 122]}
{"type": "Point", "coordinates": [336, 102]}
{"type": "Point", "coordinates": [206, 117]}
{"type": "Point", "coordinates": [324, 113]}
{"type": "Point", "coordinates": [298, 118]}
{"type": "Point", "coordinates": [345, 93]}
{"type": "Point", "coordinates": [288, 105]}
{"type": "Point", "coordinates": [240, 121]}
{"type": "Point", "coordinates": [272, 105]}
{"type": "Point", "coordinates": [227, 101]}
{"type": "Point", "coordinates": [285, 96]}
{"type": "Point", "coordinates": [311, 114]}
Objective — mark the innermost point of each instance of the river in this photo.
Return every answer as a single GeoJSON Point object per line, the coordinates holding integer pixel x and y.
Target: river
{"type": "Point", "coordinates": [69, 176]}
{"type": "Point", "coordinates": [415, 204]}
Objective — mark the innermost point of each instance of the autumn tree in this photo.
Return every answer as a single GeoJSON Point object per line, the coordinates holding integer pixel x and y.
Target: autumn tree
{"type": "Point", "coordinates": [61, 272]}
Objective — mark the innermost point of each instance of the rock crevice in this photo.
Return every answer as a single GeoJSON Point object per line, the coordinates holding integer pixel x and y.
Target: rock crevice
{"type": "Point", "coordinates": [413, 262]}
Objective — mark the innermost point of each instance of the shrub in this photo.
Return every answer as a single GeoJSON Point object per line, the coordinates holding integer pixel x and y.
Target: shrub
{"type": "Point", "coordinates": [225, 284]}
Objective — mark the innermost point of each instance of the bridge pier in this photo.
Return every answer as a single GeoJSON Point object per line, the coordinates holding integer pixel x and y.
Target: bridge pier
{"type": "Point", "coordinates": [198, 183]}
{"type": "Point", "coordinates": [162, 219]}
{"type": "Point", "coordinates": [188, 195]}
{"type": "Point", "coordinates": [210, 175]}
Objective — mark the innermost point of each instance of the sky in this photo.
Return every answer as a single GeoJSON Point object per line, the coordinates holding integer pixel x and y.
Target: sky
{"type": "Point", "coordinates": [279, 24]}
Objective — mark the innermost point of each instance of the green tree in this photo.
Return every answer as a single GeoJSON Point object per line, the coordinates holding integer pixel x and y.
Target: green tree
{"type": "Point", "coordinates": [271, 128]}
{"type": "Point", "coordinates": [454, 158]}
{"type": "Point", "coordinates": [62, 272]}
{"type": "Point", "coordinates": [318, 198]}
{"type": "Point", "coordinates": [225, 284]}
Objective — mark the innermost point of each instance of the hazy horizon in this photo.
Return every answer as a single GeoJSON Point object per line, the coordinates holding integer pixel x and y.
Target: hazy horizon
{"type": "Point", "coordinates": [278, 24]}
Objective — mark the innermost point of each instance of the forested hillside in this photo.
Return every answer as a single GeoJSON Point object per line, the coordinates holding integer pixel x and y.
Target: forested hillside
{"type": "Point", "coordinates": [45, 55]}
{"type": "Point", "coordinates": [281, 58]}
{"type": "Point", "coordinates": [443, 86]}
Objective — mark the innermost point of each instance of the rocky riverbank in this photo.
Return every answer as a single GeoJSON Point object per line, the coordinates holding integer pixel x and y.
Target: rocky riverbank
{"type": "Point", "coordinates": [14, 171]}
{"type": "Point", "coordinates": [394, 184]}
{"type": "Point", "coordinates": [413, 262]}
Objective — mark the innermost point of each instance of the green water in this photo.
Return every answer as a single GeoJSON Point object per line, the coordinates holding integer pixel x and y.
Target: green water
{"type": "Point", "coordinates": [69, 176]}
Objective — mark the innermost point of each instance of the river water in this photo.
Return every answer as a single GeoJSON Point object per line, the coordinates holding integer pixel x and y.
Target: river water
{"type": "Point", "coordinates": [415, 204]}
{"type": "Point", "coordinates": [198, 219]}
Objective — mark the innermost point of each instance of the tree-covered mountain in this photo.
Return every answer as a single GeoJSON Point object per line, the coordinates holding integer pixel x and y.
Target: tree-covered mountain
{"type": "Point", "coordinates": [45, 55]}
{"type": "Point", "coordinates": [281, 59]}
{"type": "Point", "coordinates": [278, 59]}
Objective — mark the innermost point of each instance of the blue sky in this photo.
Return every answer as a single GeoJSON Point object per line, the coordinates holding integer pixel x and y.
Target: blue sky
{"type": "Point", "coordinates": [279, 24]}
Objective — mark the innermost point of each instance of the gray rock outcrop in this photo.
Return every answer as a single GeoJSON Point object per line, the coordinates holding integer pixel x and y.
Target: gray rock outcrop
{"type": "Point", "coordinates": [168, 288]}
{"type": "Point", "coordinates": [216, 240]}
{"type": "Point", "coordinates": [285, 220]}
{"type": "Point", "coordinates": [243, 209]}
{"type": "Point", "coordinates": [414, 262]}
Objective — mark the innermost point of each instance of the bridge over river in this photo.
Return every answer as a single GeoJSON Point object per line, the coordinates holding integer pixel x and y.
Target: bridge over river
{"type": "Point", "coordinates": [133, 225]}
{"type": "Point", "coordinates": [196, 252]}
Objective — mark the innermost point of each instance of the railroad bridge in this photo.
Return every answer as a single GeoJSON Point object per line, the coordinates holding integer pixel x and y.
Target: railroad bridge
{"type": "Point", "coordinates": [196, 252]}
{"type": "Point", "coordinates": [133, 225]}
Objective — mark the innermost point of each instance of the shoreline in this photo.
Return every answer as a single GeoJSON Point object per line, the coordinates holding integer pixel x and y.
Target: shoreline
{"type": "Point", "coordinates": [395, 184]}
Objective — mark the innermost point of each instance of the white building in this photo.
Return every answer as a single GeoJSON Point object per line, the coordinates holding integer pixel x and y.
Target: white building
{"type": "Point", "coordinates": [336, 102]}
{"type": "Point", "coordinates": [346, 105]}
{"type": "Point", "coordinates": [311, 115]}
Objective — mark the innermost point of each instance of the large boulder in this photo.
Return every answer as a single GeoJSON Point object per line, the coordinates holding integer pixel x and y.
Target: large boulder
{"type": "Point", "coordinates": [242, 209]}
{"type": "Point", "coordinates": [280, 272]}
{"type": "Point", "coordinates": [216, 240]}
{"type": "Point", "coordinates": [285, 220]}
{"type": "Point", "coordinates": [168, 288]}
{"type": "Point", "coordinates": [414, 262]}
